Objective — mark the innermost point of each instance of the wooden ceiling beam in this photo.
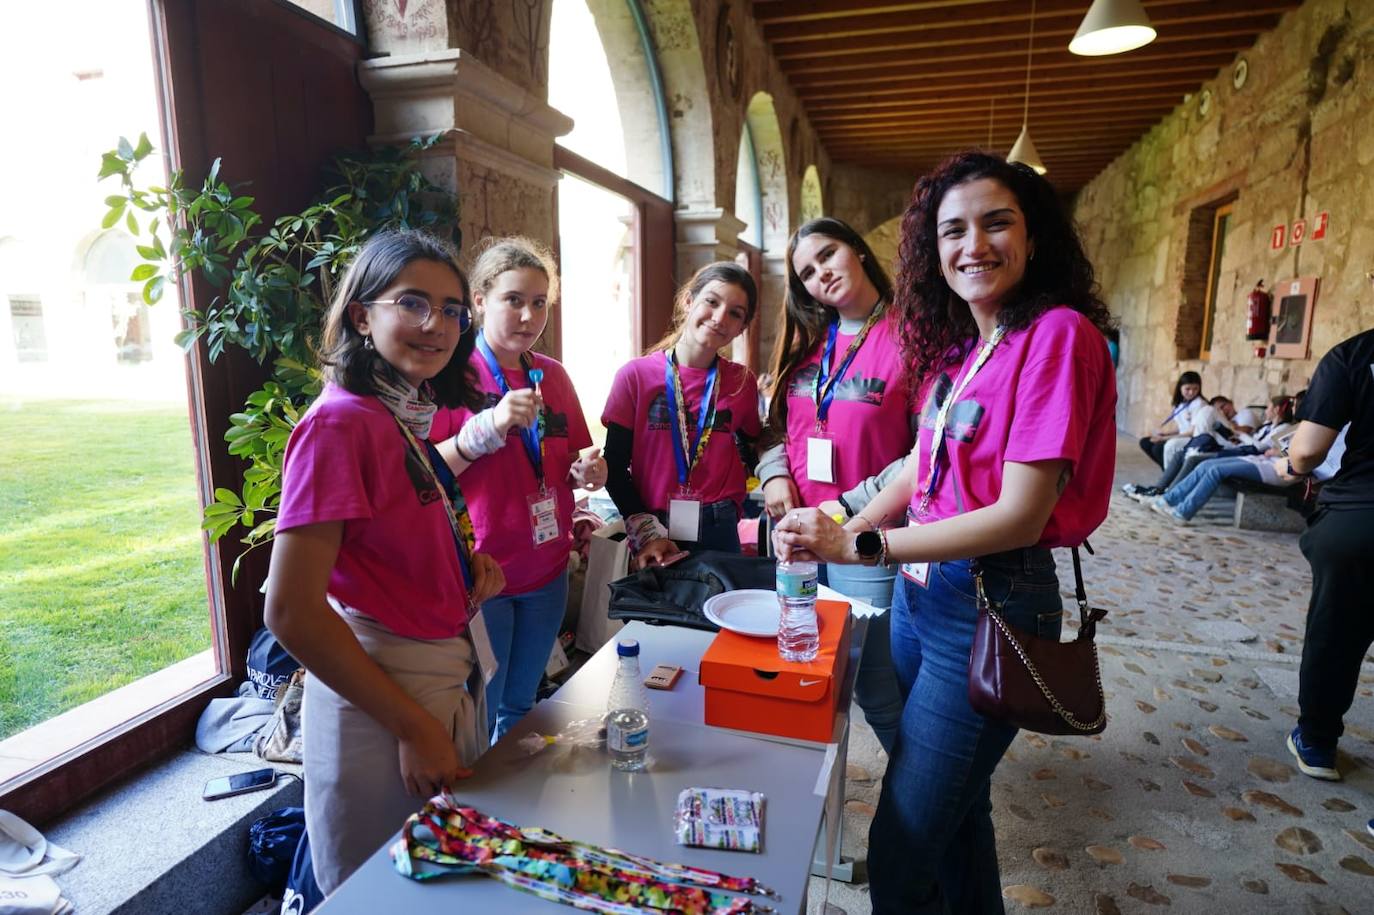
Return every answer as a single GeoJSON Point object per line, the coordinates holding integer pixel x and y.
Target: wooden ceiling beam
{"type": "Point", "coordinates": [1085, 98]}
{"type": "Point", "coordinates": [1051, 16]}
{"type": "Point", "coordinates": [1011, 52]}
{"type": "Point", "coordinates": [776, 12]}
{"type": "Point", "coordinates": [1143, 77]}
{"type": "Point", "coordinates": [1001, 32]}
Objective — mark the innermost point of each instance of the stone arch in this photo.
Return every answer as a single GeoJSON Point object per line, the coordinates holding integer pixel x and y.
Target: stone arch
{"type": "Point", "coordinates": [812, 200]}
{"type": "Point", "coordinates": [109, 258]}
{"type": "Point", "coordinates": [678, 49]}
{"type": "Point", "coordinates": [761, 120]}
{"type": "Point", "coordinates": [883, 240]}
{"type": "Point", "coordinates": [636, 97]}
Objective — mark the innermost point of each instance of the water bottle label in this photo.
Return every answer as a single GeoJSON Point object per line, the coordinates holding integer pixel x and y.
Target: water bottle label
{"type": "Point", "coordinates": [623, 741]}
{"type": "Point", "coordinates": [796, 585]}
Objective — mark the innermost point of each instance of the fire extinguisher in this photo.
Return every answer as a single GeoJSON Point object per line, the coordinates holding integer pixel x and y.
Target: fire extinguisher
{"type": "Point", "coordinates": [1260, 304]}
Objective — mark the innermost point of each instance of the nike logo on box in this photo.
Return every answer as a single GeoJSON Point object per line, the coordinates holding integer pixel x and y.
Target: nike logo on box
{"type": "Point", "coordinates": [809, 682]}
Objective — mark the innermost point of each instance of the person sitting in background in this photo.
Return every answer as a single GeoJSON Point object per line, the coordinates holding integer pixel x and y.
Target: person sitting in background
{"type": "Point", "coordinates": [1187, 400]}
{"type": "Point", "coordinates": [1263, 438]}
{"type": "Point", "coordinates": [1182, 501]}
{"type": "Point", "coordinates": [1205, 429]}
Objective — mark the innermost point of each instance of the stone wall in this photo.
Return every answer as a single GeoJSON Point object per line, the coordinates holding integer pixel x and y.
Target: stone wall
{"type": "Point", "coordinates": [1294, 140]}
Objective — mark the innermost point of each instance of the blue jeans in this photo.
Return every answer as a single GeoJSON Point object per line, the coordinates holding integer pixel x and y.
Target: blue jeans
{"type": "Point", "coordinates": [1192, 492]}
{"type": "Point", "coordinates": [536, 615]}
{"type": "Point", "coordinates": [875, 687]}
{"type": "Point", "coordinates": [931, 848]}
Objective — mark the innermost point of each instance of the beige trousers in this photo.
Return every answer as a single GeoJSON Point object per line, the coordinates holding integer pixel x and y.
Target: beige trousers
{"type": "Point", "coordinates": [354, 796]}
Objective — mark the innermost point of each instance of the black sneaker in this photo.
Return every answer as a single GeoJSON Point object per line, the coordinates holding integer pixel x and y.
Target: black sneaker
{"type": "Point", "coordinates": [1318, 762]}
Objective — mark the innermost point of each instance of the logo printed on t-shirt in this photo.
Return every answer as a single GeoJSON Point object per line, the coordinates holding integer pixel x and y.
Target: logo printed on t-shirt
{"type": "Point", "coordinates": [854, 388]}
{"type": "Point", "coordinates": [421, 479]}
{"type": "Point", "coordinates": [964, 417]}
{"type": "Point", "coordinates": [555, 424]}
{"type": "Point", "coordinates": [657, 420]}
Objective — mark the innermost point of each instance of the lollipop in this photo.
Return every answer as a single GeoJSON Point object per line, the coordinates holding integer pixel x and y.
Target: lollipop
{"type": "Point", "coordinates": [536, 376]}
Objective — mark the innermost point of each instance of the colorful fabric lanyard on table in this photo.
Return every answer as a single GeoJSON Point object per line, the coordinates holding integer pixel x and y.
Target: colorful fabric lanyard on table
{"type": "Point", "coordinates": [457, 512]}
{"type": "Point", "coordinates": [937, 435]}
{"type": "Point", "coordinates": [533, 438]}
{"type": "Point", "coordinates": [687, 452]}
{"type": "Point", "coordinates": [447, 839]}
{"type": "Point", "coordinates": [824, 390]}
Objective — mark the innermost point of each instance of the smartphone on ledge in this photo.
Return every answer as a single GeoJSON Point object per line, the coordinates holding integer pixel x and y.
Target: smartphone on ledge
{"type": "Point", "coordinates": [241, 783]}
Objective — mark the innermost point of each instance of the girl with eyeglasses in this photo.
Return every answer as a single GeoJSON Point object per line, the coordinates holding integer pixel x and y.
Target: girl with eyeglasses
{"type": "Point", "coordinates": [681, 423]}
{"type": "Point", "coordinates": [519, 457]}
{"type": "Point", "coordinates": [374, 586]}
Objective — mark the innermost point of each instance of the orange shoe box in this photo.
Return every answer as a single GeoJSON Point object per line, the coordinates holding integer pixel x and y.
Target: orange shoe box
{"type": "Point", "coordinates": [749, 687]}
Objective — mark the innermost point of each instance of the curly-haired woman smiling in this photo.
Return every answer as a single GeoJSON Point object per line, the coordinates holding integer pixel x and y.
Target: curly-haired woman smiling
{"type": "Point", "coordinates": [1003, 331]}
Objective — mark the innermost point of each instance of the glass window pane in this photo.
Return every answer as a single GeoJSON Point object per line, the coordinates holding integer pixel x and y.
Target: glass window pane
{"type": "Point", "coordinates": [596, 248]}
{"type": "Point", "coordinates": [341, 13]}
{"type": "Point", "coordinates": [101, 554]}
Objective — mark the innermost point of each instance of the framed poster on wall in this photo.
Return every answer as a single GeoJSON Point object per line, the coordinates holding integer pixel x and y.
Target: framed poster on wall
{"type": "Point", "coordinates": [1290, 330]}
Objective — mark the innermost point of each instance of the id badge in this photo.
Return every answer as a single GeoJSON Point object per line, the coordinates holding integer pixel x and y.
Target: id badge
{"type": "Point", "coordinates": [684, 516]}
{"type": "Point", "coordinates": [481, 643]}
{"type": "Point", "coordinates": [916, 572]}
{"type": "Point", "coordinates": [543, 508]}
{"type": "Point", "coordinates": [820, 460]}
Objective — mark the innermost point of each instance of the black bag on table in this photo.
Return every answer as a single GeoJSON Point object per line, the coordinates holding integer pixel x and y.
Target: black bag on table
{"type": "Point", "coordinates": [674, 595]}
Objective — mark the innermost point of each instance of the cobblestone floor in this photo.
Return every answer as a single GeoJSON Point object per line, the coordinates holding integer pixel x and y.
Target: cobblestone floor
{"type": "Point", "coordinates": [1189, 802]}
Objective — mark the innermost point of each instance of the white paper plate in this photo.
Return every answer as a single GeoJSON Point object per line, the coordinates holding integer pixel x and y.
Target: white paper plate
{"type": "Point", "coordinates": [748, 612]}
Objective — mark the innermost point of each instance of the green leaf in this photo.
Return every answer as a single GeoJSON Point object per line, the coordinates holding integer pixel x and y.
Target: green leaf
{"type": "Point", "coordinates": [125, 150]}
{"type": "Point", "coordinates": [143, 148]}
{"type": "Point", "coordinates": [131, 223]}
{"type": "Point", "coordinates": [228, 496]}
{"type": "Point", "coordinates": [214, 172]}
{"type": "Point", "coordinates": [111, 218]}
{"type": "Point", "coordinates": [143, 272]}
{"type": "Point", "coordinates": [111, 164]}
{"type": "Point", "coordinates": [152, 290]}
{"type": "Point", "coordinates": [148, 252]}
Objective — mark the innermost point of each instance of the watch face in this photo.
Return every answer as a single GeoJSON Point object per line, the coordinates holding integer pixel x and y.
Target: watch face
{"type": "Point", "coordinates": [868, 544]}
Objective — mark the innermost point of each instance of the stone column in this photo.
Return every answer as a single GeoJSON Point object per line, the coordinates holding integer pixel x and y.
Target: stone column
{"type": "Point", "coordinates": [497, 141]}
{"type": "Point", "coordinates": [704, 235]}
{"type": "Point", "coordinates": [772, 301]}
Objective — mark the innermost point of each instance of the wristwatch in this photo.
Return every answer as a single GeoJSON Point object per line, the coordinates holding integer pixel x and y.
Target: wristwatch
{"type": "Point", "coordinates": [869, 546]}
{"type": "Point", "coordinates": [1288, 462]}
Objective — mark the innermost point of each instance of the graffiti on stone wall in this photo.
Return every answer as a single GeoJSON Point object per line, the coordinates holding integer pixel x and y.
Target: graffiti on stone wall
{"type": "Point", "coordinates": [405, 24]}
{"type": "Point", "coordinates": [531, 39]}
{"type": "Point", "coordinates": [475, 27]}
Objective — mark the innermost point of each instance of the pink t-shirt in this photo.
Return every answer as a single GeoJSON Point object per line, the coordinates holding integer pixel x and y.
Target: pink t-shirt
{"type": "Point", "coordinates": [639, 402]}
{"type": "Point", "coordinates": [348, 461]}
{"type": "Point", "coordinates": [871, 418]}
{"type": "Point", "coordinates": [497, 485]}
{"type": "Point", "coordinates": [1047, 393]}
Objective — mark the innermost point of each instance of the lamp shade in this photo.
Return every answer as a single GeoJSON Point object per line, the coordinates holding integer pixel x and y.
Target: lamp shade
{"type": "Point", "coordinates": [1023, 151]}
{"type": "Point", "coordinates": [1112, 27]}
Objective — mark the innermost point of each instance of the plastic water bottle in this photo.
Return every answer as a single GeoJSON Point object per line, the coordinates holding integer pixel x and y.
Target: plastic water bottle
{"type": "Point", "coordinates": [627, 712]}
{"type": "Point", "coordinates": [798, 637]}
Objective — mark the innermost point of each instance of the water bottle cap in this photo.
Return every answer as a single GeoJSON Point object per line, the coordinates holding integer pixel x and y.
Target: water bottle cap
{"type": "Point", "coordinates": [627, 649]}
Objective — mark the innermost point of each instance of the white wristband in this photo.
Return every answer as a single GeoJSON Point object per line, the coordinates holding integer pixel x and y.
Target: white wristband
{"type": "Point", "coordinates": [479, 437]}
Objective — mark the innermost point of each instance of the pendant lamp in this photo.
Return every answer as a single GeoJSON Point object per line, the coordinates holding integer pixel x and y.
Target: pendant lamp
{"type": "Point", "coordinates": [1023, 150]}
{"type": "Point", "coordinates": [1112, 27]}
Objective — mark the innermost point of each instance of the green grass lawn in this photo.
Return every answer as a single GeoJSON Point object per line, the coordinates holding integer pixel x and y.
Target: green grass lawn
{"type": "Point", "coordinates": [101, 572]}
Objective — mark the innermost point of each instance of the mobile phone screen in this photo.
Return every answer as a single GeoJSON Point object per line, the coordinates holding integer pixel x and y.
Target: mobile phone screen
{"type": "Point", "coordinates": [238, 784]}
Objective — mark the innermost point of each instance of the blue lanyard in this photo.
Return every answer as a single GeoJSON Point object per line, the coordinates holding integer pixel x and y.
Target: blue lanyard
{"type": "Point", "coordinates": [531, 437]}
{"type": "Point", "coordinates": [686, 457]}
{"type": "Point", "coordinates": [1178, 409]}
{"type": "Point", "coordinates": [826, 383]}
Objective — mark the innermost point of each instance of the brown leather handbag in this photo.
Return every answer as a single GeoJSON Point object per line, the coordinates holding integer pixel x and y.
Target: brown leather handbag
{"type": "Point", "coordinates": [1037, 684]}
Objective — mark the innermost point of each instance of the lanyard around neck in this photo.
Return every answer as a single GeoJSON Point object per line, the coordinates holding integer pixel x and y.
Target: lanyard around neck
{"type": "Point", "coordinates": [937, 435]}
{"type": "Point", "coordinates": [687, 452]}
{"type": "Point", "coordinates": [533, 438]}
{"type": "Point", "coordinates": [824, 390]}
{"type": "Point", "coordinates": [457, 515]}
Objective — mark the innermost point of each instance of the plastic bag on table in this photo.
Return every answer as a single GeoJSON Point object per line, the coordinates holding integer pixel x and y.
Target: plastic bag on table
{"type": "Point", "coordinates": [588, 733]}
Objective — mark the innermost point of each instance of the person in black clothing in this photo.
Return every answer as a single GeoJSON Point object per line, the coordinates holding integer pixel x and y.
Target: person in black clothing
{"type": "Point", "coordinates": [1338, 543]}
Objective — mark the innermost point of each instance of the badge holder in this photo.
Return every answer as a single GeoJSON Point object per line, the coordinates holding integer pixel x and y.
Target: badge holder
{"type": "Point", "coordinates": [543, 513]}
{"type": "Point", "coordinates": [684, 516]}
{"type": "Point", "coordinates": [481, 644]}
{"type": "Point", "coordinates": [820, 457]}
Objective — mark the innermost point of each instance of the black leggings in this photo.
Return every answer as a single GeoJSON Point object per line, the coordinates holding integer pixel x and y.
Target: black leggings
{"type": "Point", "coordinates": [1153, 450]}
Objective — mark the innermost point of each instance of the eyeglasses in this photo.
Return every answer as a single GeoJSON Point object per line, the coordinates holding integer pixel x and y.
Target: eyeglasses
{"type": "Point", "coordinates": [416, 309]}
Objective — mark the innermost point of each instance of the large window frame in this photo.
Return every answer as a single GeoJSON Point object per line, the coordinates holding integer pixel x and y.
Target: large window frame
{"type": "Point", "coordinates": [652, 229]}
{"type": "Point", "coordinates": [215, 390]}
{"type": "Point", "coordinates": [1221, 219]}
